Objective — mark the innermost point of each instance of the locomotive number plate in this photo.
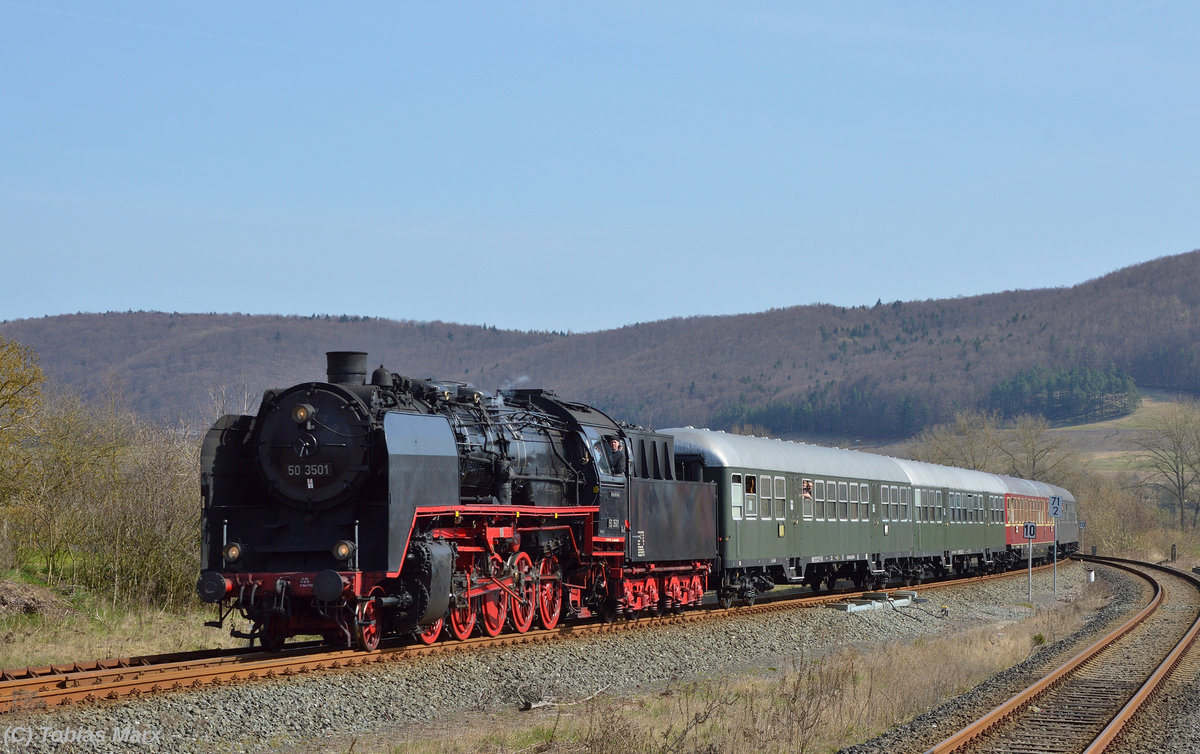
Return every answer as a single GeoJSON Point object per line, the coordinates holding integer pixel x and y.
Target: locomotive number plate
{"type": "Point", "coordinates": [310, 469]}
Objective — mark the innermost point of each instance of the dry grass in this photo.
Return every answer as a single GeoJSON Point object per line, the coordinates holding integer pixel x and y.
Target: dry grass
{"type": "Point", "coordinates": [821, 704]}
{"type": "Point", "coordinates": [92, 634]}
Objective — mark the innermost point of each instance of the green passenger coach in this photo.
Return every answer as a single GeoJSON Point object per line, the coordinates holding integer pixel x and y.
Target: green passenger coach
{"type": "Point", "coordinates": [794, 513]}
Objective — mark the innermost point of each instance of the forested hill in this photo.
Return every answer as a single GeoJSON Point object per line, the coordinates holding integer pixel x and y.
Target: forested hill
{"type": "Point", "coordinates": [885, 370]}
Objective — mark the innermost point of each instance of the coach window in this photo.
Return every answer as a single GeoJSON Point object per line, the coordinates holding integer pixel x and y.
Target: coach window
{"type": "Point", "coordinates": [807, 493]}
{"type": "Point", "coordinates": [751, 496]}
{"type": "Point", "coordinates": [883, 502]}
{"type": "Point", "coordinates": [905, 501]}
{"type": "Point", "coordinates": [939, 507]}
{"type": "Point", "coordinates": [735, 497]}
{"type": "Point", "coordinates": [765, 490]}
{"type": "Point", "coordinates": [780, 499]}
{"type": "Point", "coordinates": [895, 508]}
{"type": "Point", "coordinates": [819, 500]}
{"type": "Point", "coordinates": [854, 511]}
{"type": "Point", "coordinates": [843, 501]}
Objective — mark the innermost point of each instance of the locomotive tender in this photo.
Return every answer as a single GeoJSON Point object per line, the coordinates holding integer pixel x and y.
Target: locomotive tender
{"type": "Point", "coordinates": [356, 509]}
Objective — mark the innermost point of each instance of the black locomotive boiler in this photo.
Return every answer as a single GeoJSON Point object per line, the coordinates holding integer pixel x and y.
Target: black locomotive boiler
{"type": "Point", "coordinates": [356, 509]}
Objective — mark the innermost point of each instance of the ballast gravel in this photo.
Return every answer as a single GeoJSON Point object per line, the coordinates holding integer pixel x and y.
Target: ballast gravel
{"type": "Point", "coordinates": [406, 695]}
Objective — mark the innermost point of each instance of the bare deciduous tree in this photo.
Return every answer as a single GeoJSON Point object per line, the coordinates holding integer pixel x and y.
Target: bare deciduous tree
{"type": "Point", "coordinates": [1033, 451]}
{"type": "Point", "coordinates": [1170, 454]}
{"type": "Point", "coordinates": [971, 442]}
{"type": "Point", "coordinates": [20, 396]}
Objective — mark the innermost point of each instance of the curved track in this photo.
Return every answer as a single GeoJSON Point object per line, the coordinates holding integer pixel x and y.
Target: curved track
{"type": "Point", "coordinates": [54, 685]}
{"type": "Point", "coordinates": [1083, 705]}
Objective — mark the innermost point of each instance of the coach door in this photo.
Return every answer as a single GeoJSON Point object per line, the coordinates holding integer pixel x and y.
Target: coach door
{"type": "Point", "coordinates": [737, 503]}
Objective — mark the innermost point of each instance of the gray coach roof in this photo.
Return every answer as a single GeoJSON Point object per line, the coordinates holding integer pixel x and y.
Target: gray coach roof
{"type": "Point", "coordinates": [923, 474]}
{"type": "Point", "coordinates": [717, 448]}
{"type": "Point", "coordinates": [739, 451]}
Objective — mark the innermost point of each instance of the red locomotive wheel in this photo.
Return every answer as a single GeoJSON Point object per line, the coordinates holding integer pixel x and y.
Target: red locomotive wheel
{"type": "Point", "coordinates": [429, 634]}
{"type": "Point", "coordinates": [462, 620]}
{"type": "Point", "coordinates": [493, 608]}
{"type": "Point", "coordinates": [525, 585]}
{"type": "Point", "coordinates": [367, 631]}
{"type": "Point", "coordinates": [549, 592]}
{"type": "Point", "coordinates": [696, 592]}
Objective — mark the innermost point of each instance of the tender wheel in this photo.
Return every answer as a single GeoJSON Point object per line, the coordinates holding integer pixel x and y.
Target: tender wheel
{"type": "Point", "coordinates": [524, 584]}
{"type": "Point", "coordinates": [367, 630]}
{"type": "Point", "coordinates": [462, 620]}
{"type": "Point", "coordinates": [493, 608]}
{"type": "Point", "coordinates": [429, 634]}
{"type": "Point", "coordinates": [652, 606]}
{"type": "Point", "coordinates": [549, 592]}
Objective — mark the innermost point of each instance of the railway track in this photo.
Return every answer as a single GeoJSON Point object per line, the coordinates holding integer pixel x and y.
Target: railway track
{"type": "Point", "coordinates": [100, 680]}
{"type": "Point", "coordinates": [1083, 705]}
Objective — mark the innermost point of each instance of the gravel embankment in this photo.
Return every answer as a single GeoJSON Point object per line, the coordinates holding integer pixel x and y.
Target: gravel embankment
{"type": "Point", "coordinates": [922, 733]}
{"type": "Point", "coordinates": [1170, 721]}
{"type": "Point", "coordinates": [266, 715]}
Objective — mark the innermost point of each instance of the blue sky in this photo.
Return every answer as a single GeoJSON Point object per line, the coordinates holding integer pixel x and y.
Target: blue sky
{"type": "Point", "coordinates": [571, 166]}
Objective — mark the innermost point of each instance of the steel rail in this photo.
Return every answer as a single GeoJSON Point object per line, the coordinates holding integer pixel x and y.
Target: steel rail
{"type": "Point", "coordinates": [1114, 728]}
{"type": "Point", "coordinates": [53, 685]}
{"type": "Point", "coordinates": [964, 737]}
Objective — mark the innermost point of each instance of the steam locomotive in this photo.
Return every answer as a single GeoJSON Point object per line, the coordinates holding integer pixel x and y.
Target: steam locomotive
{"type": "Point", "coordinates": [356, 509]}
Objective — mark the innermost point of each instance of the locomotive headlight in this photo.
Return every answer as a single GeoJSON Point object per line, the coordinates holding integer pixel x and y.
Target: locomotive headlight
{"type": "Point", "coordinates": [232, 552]}
{"type": "Point", "coordinates": [343, 550]}
{"type": "Point", "coordinates": [302, 413]}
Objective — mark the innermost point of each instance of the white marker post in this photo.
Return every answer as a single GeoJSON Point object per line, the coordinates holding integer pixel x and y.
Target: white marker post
{"type": "Point", "coordinates": [1055, 512]}
{"type": "Point", "coordinates": [1030, 535]}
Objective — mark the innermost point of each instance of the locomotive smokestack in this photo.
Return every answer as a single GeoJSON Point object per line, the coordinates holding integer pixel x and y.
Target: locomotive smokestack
{"type": "Point", "coordinates": [346, 367]}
